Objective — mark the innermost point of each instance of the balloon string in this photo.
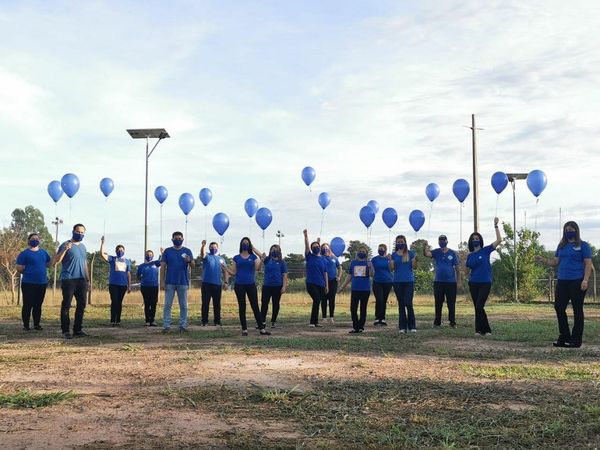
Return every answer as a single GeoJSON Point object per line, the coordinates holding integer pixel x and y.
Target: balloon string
{"type": "Point", "coordinates": [322, 216]}
{"type": "Point", "coordinates": [390, 239]}
{"type": "Point", "coordinates": [104, 224]}
{"type": "Point", "coordinates": [461, 233]}
{"type": "Point", "coordinates": [70, 208]}
{"type": "Point", "coordinates": [429, 220]}
{"type": "Point", "coordinates": [205, 223]}
{"type": "Point", "coordinates": [186, 223]}
{"type": "Point", "coordinates": [250, 227]}
{"type": "Point", "coordinates": [497, 202]}
{"type": "Point", "coordinates": [161, 227]}
{"type": "Point", "coordinates": [537, 200]}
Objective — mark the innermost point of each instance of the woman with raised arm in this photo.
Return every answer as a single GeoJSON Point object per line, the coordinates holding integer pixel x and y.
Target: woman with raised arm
{"type": "Point", "coordinates": [403, 263]}
{"type": "Point", "coordinates": [119, 280]}
{"type": "Point", "coordinates": [334, 273]}
{"type": "Point", "coordinates": [317, 280]}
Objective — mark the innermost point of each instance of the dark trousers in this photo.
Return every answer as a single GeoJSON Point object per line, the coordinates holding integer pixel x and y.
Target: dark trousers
{"type": "Point", "coordinates": [444, 290]}
{"type": "Point", "coordinates": [270, 293]}
{"type": "Point", "coordinates": [78, 288]}
{"type": "Point", "coordinates": [241, 290]}
{"type": "Point", "coordinates": [479, 294]}
{"type": "Point", "coordinates": [569, 290]}
{"type": "Point", "coordinates": [150, 295]}
{"type": "Point", "coordinates": [317, 293]}
{"type": "Point", "coordinates": [381, 291]}
{"type": "Point", "coordinates": [33, 297]}
{"type": "Point", "coordinates": [209, 291]}
{"type": "Point", "coordinates": [406, 314]}
{"type": "Point", "coordinates": [359, 298]}
{"type": "Point", "coordinates": [329, 298]}
{"type": "Point", "coordinates": [117, 293]}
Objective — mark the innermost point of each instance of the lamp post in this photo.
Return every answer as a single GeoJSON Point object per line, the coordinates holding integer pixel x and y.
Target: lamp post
{"type": "Point", "coordinates": [474, 129]}
{"type": "Point", "coordinates": [279, 236]}
{"type": "Point", "coordinates": [513, 177]}
{"type": "Point", "coordinates": [148, 133]}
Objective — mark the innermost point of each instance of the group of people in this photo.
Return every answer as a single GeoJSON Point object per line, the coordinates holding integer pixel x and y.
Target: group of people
{"type": "Point", "coordinates": [379, 274]}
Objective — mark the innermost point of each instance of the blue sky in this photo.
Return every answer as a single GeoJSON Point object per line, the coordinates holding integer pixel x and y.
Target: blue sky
{"type": "Point", "coordinates": [373, 95]}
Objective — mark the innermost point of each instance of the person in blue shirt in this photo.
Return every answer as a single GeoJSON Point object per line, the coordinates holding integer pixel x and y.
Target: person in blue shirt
{"type": "Point", "coordinates": [274, 284]}
{"type": "Point", "coordinates": [317, 280]}
{"type": "Point", "coordinates": [446, 281]}
{"type": "Point", "coordinates": [574, 260]}
{"type": "Point", "coordinates": [382, 283]}
{"type": "Point", "coordinates": [119, 280]}
{"type": "Point", "coordinates": [147, 274]}
{"type": "Point", "coordinates": [245, 265]}
{"type": "Point", "coordinates": [32, 264]}
{"type": "Point", "coordinates": [213, 272]}
{"type": "Point", "coordinates": [334, 273]}
{"type": "Point", "coordinates": [175, 266]}
{"type": "Point", "coordinates": [74, 280]}
{"type": "Point", "coordinates": [480, 277]}
{"type": "Point", "coordinates": [402, 264]}
{"type": "Point", "coordinates": [359, 273]}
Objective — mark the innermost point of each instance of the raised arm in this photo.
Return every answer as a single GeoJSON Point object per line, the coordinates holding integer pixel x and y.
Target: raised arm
{"type": "Point", "coordinates": [103, 254]}
{"type": "Point", "coordinates": [60, 254]}
{"type": "Point", "coordinates": [202, 249]}
{"type": "Point", "coordinates": [306, 243]}
{"type": "Point", "coordinates": [427, 250]}
{"type": "Point", "coordinates": [496, 243]}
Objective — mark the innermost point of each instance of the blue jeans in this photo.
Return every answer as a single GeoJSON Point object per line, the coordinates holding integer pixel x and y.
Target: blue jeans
{"type": "Point", "coordinates": [182, 290]}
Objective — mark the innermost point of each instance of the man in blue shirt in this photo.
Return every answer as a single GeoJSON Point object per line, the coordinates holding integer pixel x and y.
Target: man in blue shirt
{"type": "Point", "coordinates": [175, 266]}
{"type": "Point", "coordinates": [74, 279]}
{"type": "Point", "coordinates": [213, 266]}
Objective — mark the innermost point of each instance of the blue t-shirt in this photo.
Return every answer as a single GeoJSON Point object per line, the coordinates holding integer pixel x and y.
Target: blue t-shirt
{"type": "Point", "coordinates": [148, 273]}
{"type": "Point", "coordinates": [245, 272]}
{"type": "Point", "coordinates": [361, 280]}
{"type": "Point", "coordinates": [331, 266]}
{"type": "Point", "coordinates": [211, 266]}
{"type": "Point", "coordinates": [274, 270]}
{"type": "Point", "coordinates": [571, 265]}
{"type": "Point", "coordinates": [119, 268]}
{"type": "Point", "coordinates": [381, 267]}
{"type": "Point", "coordinates": [315, 269]}
{"type": "Point", "coordinates": [479, 263]}
{"type": "Point", "coordinates": [444, 265]}
{"type": "Point", "coordinates": [403, 271]}
{"type": "Point", "coordinates": [35, 265]}
{"type": "Point", "coordinates": [74, 262]}
{"type": "Point", "coordinates": [176, 267]}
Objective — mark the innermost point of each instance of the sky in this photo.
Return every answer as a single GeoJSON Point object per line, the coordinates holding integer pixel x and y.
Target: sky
{"type": "Point", "coordinates": [374, 95]}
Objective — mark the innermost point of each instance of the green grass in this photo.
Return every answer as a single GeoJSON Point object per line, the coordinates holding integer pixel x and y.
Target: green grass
{"type": "Point", "coordinates": [28, 399]}
{"type": "Point", "coordinates": [524, 372]}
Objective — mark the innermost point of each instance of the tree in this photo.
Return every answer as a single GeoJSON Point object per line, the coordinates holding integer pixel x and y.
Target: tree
{"type": "Point", "coordinates": [351, 252]}
{"type": "Point", "coordinates": [424, 274]}
{"type": "Point", "coordinates": [11, 244]}
{"type": "Point", "coordinates": [31, 220]}
{"type": "Point", "coordinates": [295, 265]}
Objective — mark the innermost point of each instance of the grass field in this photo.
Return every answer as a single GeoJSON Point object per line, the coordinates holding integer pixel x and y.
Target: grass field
{"type": "Point", "coordinates": [300, 388]}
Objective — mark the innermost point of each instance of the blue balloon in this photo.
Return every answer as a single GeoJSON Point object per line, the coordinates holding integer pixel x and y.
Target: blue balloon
{"type": "Point", "coordinates": [324, 199]}
{"type": "Point", "coordinates": [161, 194]}
{"type": "Point", "coordinates": [367, 215]}
{"type": "Point", "coordinates": [432, 191]}
{"type": "Point", "coordinates": [186, 203]}
{"type": "Point", "coordinates": [220, 223]}
{"type": "Point", "coordinates": [374, 205]}
{"type": "Point", "coordinates": [416, 219]}
{"type": "Point", "coordinates": [251, 206]}
{"type": "Point", "coordinates": [536, 182]}
{"type": "Point", "coordinates": [390, 217]}
{"type": "Point", "coordinates": [308, 175]}
{"type": "Point", "coordinates": [264, 218]}
{"type": "Point", "coordinates": [55, 190]}
{"type": "Point", "coordinates": [106, 186]}
{"type": "Point", "coordinates": [70, 184]}
{"type": "Point", "coordinates": [461, 189]}
{"type": "Point", "coordinates": [499, 181]}
{"type": "Point", "coordinates": [337, 246]}
{"type": "Point", "coordinates": [205, 196]}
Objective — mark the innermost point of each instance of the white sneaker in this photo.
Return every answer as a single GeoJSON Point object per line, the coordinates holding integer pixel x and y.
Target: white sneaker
{"type": "Point", "coordinates": [331, 320]}
{"type": "Point", "coordinates": [413, 330]}
{"type": "Point", "coordinates": [402, 331]}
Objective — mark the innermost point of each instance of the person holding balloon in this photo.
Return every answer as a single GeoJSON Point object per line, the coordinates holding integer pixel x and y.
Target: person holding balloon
{"type": "Point", "coordinates": [119, 280]}
{"type": "Point", "coordinates": [573, 257]}
{"type": "Point", "coordinates": [480, 277]}
{"type": "Point", "coordinates": [175, 265]}
{"type": "Point", "coordinates": [359, 273]}
{"type": "Point", "coordinates": [446, 281]}
{"type": "Point", "coordinates": [317, 280]}
{"type": "Point", "coordinates": [32, 264]}
{"type": "Point", "coordinates": [382, 283]}
{"type": "Point", "coordinates": [274, 285]}
{"type": "Point", "coordinates": [214, 270]}
{"type": "Point", "coordinates": [402, 264]}
{"type": "Point", "coordinates": [245, 265]}
{"type": "Point", "coordinates": [147, 274]}
{"type": "Point", "coordinates": [334, 273]}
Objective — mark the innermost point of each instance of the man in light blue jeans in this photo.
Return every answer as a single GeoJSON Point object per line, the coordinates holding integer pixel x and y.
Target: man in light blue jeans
{"type": "Point", "coordinates": [176, 263]}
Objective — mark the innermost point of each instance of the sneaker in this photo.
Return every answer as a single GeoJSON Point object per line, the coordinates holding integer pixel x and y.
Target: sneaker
{"type": "Point", "coordinates": [26, 328]}
{"type": "Point", "coordinates": [67, 335]}
{"type": "Point", "coordinates": [353, 331]}
{"type": "Point", "coordinates": [264, 332]}
{"type": "Point", "coordinates": [383, 323]}
{"type": "Point", "coordinates": [574, 345]}
{"type": "Point", "coordinates": [273, 325]}
{"type": "Point", "coordinates": [489, 333]}
{"type": "Point", "coordinates": [413, 330]}
{"type": "Point", "coordinates": [80, 334]}
{"type": "Point", "coordinates": [402, 331]}
{"type": "Point", "coordinates": [479, 334]}
{"type": "Point", "coordinates": [38, 328]}
{"type": "Point", "coordinates": [437, 325]}
{"type": "Point", "coordinates": [244, 332]}
{"type": "Point", "coordinates": [203, 324]}
{"type": "Point", "coordinates": [183, 330]}
{"type": "Point", "coordinates": [377, 323]}
{"type": "Point", "coordinates": [361, 330]}
{"type": "Point", "coordinates": [152, 324]}
{"type": "Point", "coordinates": [218, 325]}
{"type": "Point", "coordinates": [166, 330]}
{"type": "Point", "coordinates": [452, 325]}
{"type": "Point", "coordinates": [560, 344]}
{"type": "Point", "coordinates": [112, 324]}
{"type": "Point", "coordinates": [331, 320]}
{"type": "Point", "coordinates": [147, 324]}
{"type": "Point", "coordinates": [118, 324]}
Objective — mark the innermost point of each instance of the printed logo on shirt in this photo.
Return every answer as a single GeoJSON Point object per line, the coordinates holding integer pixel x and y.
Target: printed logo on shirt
{"type": "Point", "coordinates": [120, 266]}
{"type": "Point", "coordinates": [360, 271]}
{"type": "Point", "coordinates": [577, 248]}
{"type": "Point", "coordinates": [450, 257]}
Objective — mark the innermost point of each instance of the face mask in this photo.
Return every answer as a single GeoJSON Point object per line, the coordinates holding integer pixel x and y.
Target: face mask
{"type": "Point", "coordinates": [400, 246]}
{"type": "Point", "coordinates": [149, 258]}
{"type": "Point", "coordinates": [325, 251]}
{"type": "Point", "coordinates": [275, 254]}
{"type": "Point", "coordinates": [34, 243]}
{"type": "Point", "coordinates": [120, 254]}
{"type": "Point", "coordinates": [361, 255]}
{"type": "Point", "coordinates": [381, 252]}
{"type": "Point", "coordinates": [443, 244]}
{"type": "Point", "coordinates": [315, 250]}
{"type": "Point", "coordinates": [214, 251]}
{"type": "Point", "coordinates": [177, 242]}
{"type": "Point", "coordinates": [476, 243]}
{"type": "Point", "coordinates": [245, 247]}
{"type": "Point", "coordinates": [77, 237]}
{"type": "Point", "coordinates": [570, 234]}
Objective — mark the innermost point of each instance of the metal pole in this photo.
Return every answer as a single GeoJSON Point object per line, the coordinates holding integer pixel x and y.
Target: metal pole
{"type": "Point", "coordinates": [475, 178]}
{"type": "Point", "coordinates": [146, 203]}
{"type": "Point", "coordinates": [515, 238]}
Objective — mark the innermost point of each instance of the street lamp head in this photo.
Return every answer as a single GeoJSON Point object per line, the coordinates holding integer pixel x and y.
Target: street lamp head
{"type": "Point", "coordinates": [516, 176]}
{"type": "Point", "coordinates": [153, 133]}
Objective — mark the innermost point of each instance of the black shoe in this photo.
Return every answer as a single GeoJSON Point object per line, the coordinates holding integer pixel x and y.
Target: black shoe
{"type": "Point", "coordinates": [80, 334]}
{"type": "Point", "coordinates": [152, 324]}
{"type": "Point", "coordinates": [118, 324]}
{"type": "Point", "coordinates": [361, 330]}
{"type": "Point", "coordinates": [574, 345]}
{"type": "Point", "coordinates": [377, 323]}
{"type": "Point", "coordinates": [26, 328]}
{"type": "Point", "coordinates": [264, 332]}
{"type": "Point", "coordinates": [244, 332]}
{"type": "Point", "coordinates": [113, 324]}
{"type": "Point", "coordinates": [67, 335]}
{"type": "Point", "coordinates": [383, 323]}
{"type": "Point", "coordinates": [452, 325]}
{"type": "Point", "coordinates": [353, 331]}
{"type": "Point", "coordinates": [204, 324]}
{"type": "Point", "coordinates": [38, 328]}
{"type": "Point", "coordinates": [560, 344]}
